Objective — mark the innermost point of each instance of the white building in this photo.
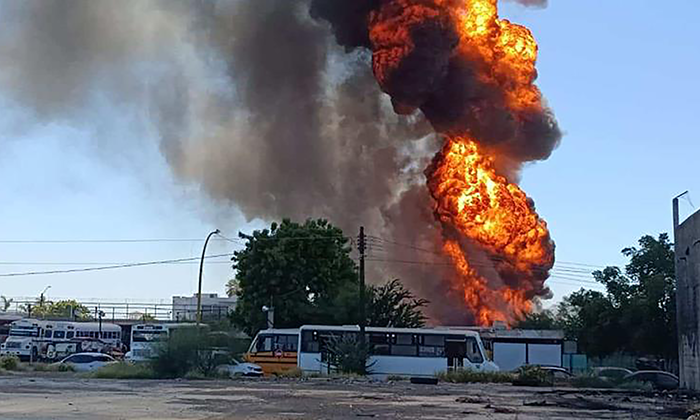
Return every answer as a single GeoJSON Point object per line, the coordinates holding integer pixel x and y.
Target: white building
{"type": "Point", "coordinates": [213, 307]}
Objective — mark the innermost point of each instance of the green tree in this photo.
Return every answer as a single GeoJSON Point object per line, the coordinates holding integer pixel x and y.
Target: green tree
{"type": "Point", "coordinates": [388, 305]}
{"type": "Point", "coordinates": [392, 305]}
{"type": "Point", "coordinates": [541, 320]}
{"type": "Point", "coordinates": [232, 288]}
{"type": "Point", "coordinates": [293, 267]}
{"type": "Point", "coordinates": [6, 303]}
{"type": "Point", "coordinates": [637, 313]}
{"type": "Point", "coordinates": [63, 309]}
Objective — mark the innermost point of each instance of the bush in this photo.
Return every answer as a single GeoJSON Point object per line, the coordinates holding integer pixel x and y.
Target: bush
{"type": "Point", "coordinates": [123, 371]}
{"type": "Point", "coordinates": [347, 354]}
{"type": "Point", "coordinates": [472, 376]}
{"type": "Point", "coordinates": [529, 375]}
{"type": "Point", "coordinates": [187, 351]}
{"type": "Point", "coordinates": [395, 378]}
{"type": "Point", "coordinates": [8, 362]}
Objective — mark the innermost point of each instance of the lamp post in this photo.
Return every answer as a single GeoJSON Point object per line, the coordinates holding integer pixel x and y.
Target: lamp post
{"type": "Point", "coordinates": [41, 297]}
{"type": "Point", "coordinates": [201, 268]}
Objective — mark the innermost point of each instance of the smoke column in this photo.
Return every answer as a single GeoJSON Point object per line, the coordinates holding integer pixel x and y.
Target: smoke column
{"type": "Point", "coordinates": [261, 102]}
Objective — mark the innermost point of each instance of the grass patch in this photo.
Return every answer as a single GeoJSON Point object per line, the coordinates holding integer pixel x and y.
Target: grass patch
{"type": "Point", "coordinates": [530, 375]}
{"type": "Point", "coordinates": [45, 367]}
{"type": "Point", "coordinates": [124, 371]}
{"type": "Point", "coordinates": [637, 386]}
{"type": "Point", "coordinates": [591, 381]}
{"type": "Point", "coordinates": [472, 376]}
{"type": "Point", "coordinates": [293, 373]}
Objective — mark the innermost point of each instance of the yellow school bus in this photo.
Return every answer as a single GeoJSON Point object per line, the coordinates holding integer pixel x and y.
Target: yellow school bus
{"type": "Point", "coordinates": [274, 350]}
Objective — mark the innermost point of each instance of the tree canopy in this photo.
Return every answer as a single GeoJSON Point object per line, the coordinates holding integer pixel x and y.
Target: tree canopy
{"type": "Point", "coordinates": [62, 309]}
{"type": "Point", "coordinates": [292, 267]}
{"type": "Point", "coordinates": [305, 271]}
{"type": "Point", "coordinates": [636, 313]}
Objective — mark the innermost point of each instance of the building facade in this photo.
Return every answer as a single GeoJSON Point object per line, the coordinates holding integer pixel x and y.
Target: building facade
{"type": "Point", "coordinates": [687, 258]}
{"type": "Point", "coordinates": [213, 307]}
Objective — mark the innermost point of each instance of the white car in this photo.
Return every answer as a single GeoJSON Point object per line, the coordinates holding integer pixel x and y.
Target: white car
{"type": "Point", "coordinates": [86, 362]}
{"type": "Point", "coordinates": [237, 368]}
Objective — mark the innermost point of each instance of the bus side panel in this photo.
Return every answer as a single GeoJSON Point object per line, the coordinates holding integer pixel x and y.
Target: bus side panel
{"type": "Point", "coordinates": [310, 362]}
{"type": "Point", "coordinates": [271, 364]}
{"type": "Point", "coordinates": [413, 366]}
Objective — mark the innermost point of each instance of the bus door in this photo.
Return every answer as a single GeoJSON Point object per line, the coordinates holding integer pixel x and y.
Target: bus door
{"type": "Point", "coordinates": [455, 351]}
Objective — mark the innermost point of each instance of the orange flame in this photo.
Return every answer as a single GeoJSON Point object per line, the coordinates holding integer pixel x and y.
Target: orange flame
{"type": "Point", "coordinates": [508, 52]}
{"type": "Point", "coordinates": [481, 212]}
{"type": "Point", "coordinates": [485, 207]}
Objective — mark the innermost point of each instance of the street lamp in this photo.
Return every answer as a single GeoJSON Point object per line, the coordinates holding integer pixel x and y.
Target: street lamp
{"type": "Point", "coordinates": [201, 268]}
{"type": "Point", "coordinates": [41, 297]}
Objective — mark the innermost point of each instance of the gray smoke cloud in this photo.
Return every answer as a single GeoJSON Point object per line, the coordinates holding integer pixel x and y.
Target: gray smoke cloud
{"type": "Point", "coordinates": [251, 99]}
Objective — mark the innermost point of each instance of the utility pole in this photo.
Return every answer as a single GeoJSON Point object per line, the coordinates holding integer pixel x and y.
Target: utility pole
{"type": "Point", "coordinates": [201, 268]}
{"type": "Point", "coordinates": [361, 245]}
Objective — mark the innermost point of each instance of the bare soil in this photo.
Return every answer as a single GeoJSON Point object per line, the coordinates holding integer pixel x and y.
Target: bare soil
{"type": "Point", "coordinates": [60, 397]}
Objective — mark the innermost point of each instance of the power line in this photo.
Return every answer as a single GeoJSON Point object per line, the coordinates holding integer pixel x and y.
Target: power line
{"type": "Point", "coordinates": [107, 267]}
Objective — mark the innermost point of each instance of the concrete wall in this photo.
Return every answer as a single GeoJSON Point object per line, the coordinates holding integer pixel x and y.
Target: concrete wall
{"type": "Point", "coordinates": [687, 247]}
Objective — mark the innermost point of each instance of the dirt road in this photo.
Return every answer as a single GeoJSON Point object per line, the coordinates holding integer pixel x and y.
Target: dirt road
{"type": "Point", "coordinates": [61, 398]}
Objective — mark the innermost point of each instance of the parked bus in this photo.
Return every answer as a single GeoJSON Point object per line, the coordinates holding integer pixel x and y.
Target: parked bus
{"type": "Point", "coordinates": [145, 339]}
{"type": "Point", "coordinates": [22, 340]}
{"type": "Point", "coordinates": [41, 339]}
{"type": "Point", "coordinates": [398, 351]}
{"type": "Point", "coordinates": [275, 350]}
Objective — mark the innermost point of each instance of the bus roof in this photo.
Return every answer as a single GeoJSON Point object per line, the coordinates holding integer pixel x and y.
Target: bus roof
{"type": "Point", "coordinates": [391, 330]}
{"type": "Point", "coordinates": [280, 331]}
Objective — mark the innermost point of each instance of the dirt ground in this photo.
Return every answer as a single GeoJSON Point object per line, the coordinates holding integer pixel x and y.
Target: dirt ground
{"type": "Point", "coordinates": [60, 397]}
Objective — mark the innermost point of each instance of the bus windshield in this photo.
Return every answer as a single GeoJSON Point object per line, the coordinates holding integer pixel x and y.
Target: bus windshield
{"type": "Point", "coordinates": [149, 336]}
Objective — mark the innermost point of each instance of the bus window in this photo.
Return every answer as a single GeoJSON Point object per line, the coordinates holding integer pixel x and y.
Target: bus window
{"type": "Point", "coordinates": [287, 342]}
{"type": "Point", "coordinates": [380, 343]}
{"type": "Point", "coordinates": [70, 334]}
{"type": "Point", "coordinates": [48, 333]}
{"type": "Point", "coordinates": [473, 353]}
{"type": "Point", "coordinates": [265, 343]}
{"type": "Point", "coordinates": [309, 342]}
{"type": "Point", "coordinates": [59, 334]}
{"type": "Point", "coordinates": [404, 345]}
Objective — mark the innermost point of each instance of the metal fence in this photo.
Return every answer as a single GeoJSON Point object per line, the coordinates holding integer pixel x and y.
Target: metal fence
{"type": "Point", "coordinates": [120, 311]}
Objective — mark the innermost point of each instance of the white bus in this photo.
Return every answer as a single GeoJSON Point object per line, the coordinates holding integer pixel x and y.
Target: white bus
{"type": "Point", "coordinates": [421, 352]}
{"type": "Point", "coordinates": [23, 339]}
{"type": "Point", "coordinates": [145, 339]}
{"type": "Point", "coordinates": [42, 339]}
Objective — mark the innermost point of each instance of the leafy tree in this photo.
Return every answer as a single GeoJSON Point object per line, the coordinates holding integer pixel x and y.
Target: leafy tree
{"type": "Point", "coordinates": [392, 305]}
{"type": "Point", "coordinates": [388, 305]}
{"type": "Point", "coordinates": [63, 309]}
{"type": "Point", "coordinates": [542, 320]}
{"type": "Point", "coordinates": [5, 303]}
{"type": "Point", "coordinates": [305, 272]}
{"type": "Point", "coordinates": [637, 314]}
{"type": "Point", "coordinates": [294, 268]}
{"type": "Point", "coordinates": [232, 288]}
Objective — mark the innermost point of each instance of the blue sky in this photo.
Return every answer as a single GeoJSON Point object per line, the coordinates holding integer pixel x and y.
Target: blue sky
{"type": "Point", "coordinates": [620, 75]}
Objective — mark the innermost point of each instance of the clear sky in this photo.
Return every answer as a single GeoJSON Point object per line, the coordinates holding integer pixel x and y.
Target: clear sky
{"type": "Point", "coordinates": [620, 75]}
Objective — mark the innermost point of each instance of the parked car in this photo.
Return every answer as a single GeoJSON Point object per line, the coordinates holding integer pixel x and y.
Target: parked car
{"type": "Point", "coordinates": [657, 378]}
{"type": "Point", "coordinates": [86, 362]}
{"type": "Point", "coordinates": [237, 368]}
{"type": "Point", "coordinates": [612, 374]}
